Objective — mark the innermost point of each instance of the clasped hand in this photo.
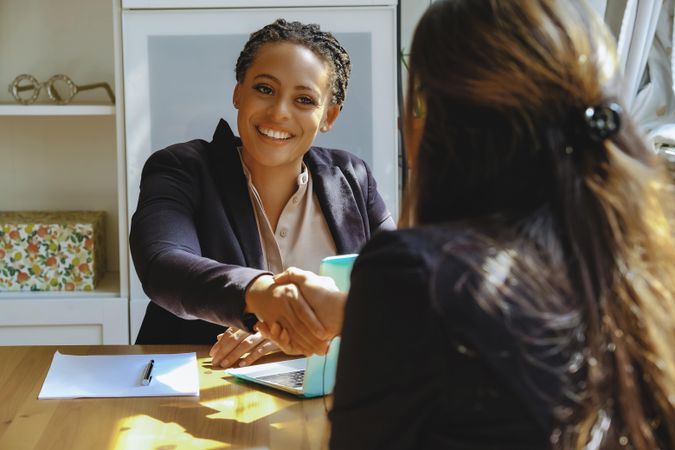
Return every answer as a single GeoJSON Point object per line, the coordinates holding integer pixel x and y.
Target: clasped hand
{"type": "Point", "coordinates": [299, 313]}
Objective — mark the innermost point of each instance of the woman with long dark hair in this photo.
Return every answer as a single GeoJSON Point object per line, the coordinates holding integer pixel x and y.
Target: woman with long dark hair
{"type": "Point", "coordinates": [531, 304]}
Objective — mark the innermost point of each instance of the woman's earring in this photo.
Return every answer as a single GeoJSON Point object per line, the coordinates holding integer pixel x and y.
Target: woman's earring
{"type": "Point", "coordinates": [324, 128]}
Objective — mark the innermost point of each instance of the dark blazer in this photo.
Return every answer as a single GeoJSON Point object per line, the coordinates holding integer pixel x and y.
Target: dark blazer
{"type": "Point", "coordinates": [194, 238]}
{"type": "Point", "coordinates": [434, 371]}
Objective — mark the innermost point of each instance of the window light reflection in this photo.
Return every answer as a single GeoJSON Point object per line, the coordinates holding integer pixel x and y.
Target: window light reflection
{"type": "Point", "coordinates": [497, 269]}
{"type": "Point", "coordinates": [143, 432]}
{"type": "Point", "coordinates": [215, 376]}
{"type": "Point", "coordinates": [246, 407]}
{"type": "Point", "coordinates": [181, 378]}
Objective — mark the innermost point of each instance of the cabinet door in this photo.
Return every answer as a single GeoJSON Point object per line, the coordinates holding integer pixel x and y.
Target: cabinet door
{"type": "Point", "coordinates": [59, 320]}
{"type": "Point", "coordinates": [179, 78]}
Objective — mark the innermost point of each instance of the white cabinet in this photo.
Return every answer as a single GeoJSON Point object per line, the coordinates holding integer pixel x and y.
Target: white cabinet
{"type": "Point", "coordinates": [179, 78]}
{"type": "Point", "coordinates": [98, 317]}
{"type": "Point", "coordinates": [63, 158]}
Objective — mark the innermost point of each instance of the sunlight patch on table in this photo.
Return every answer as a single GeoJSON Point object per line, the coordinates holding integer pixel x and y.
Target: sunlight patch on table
{"type": "Point", "coordinates": [209, 381]}
{"type": "Point", "coordinates": [143, 432]}
{"type": "Point", "coordinates": [247, 407]}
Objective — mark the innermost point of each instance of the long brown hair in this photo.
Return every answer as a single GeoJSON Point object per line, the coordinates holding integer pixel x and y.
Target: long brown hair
{"type": "Point", "coordinates": [504, 86]}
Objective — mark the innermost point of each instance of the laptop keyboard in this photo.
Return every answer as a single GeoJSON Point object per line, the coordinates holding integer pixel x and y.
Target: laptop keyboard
{"type": "Point", "coordinates": [290, 379]}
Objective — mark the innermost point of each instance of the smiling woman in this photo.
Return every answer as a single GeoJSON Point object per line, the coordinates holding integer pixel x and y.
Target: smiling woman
{"type": "Point", "coordinates": [283, 101]}
{"type": "Point", "coordinates": [216, 220]}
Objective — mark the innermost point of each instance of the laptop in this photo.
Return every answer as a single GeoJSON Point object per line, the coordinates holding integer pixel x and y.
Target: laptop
{"type": "Point", "coordinates": [305, 377]}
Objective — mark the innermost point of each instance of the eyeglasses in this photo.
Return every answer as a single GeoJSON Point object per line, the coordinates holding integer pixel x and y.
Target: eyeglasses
{"type": "Point", "coordinates": [26, 89]}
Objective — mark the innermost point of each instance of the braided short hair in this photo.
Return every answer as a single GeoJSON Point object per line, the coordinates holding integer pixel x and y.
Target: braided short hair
{"type": "Point", "coordinates": [322, 43]}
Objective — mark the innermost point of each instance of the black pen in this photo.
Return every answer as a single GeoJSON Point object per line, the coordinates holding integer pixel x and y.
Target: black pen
{"type": "Point", "coordinates": [147, 378]}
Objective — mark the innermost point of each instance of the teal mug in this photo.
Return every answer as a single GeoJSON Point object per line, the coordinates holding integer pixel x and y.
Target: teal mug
{"type": "Point", "coordinates": [339, 268]}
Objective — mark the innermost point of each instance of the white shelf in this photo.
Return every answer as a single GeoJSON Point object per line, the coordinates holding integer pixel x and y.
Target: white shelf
{"type": "Point", "coordinates": [108, 287]}
{"type": "Point", "coordinates": [64, 157]}
{"type": "Point", "coordinates": [56, 110]}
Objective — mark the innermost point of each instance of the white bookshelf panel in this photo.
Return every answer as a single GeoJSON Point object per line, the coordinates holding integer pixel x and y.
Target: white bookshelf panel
{"type": "Point", "coordinates": [53, 321]}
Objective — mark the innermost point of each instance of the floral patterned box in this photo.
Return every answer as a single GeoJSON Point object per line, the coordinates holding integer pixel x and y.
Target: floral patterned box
{"type": "Point", "coordinates": [51, 251]}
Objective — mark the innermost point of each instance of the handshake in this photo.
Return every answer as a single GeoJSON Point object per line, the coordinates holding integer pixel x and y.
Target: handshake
{"type": "Point", "coordinates": [299, 312]}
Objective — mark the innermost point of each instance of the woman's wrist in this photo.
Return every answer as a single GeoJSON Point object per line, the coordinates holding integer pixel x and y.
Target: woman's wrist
{"type": "Point", "coordinates": [254, 291]}
{"type": "Point", "coordinates": [340, 299]}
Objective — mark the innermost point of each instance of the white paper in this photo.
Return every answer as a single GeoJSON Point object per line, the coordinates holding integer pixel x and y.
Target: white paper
{"type": "Point", "coordinates": [75, 376]}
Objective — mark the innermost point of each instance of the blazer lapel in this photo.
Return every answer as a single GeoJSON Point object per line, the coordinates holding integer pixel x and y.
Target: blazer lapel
{"type": "Point", "coordinates": [339, 206]}
{"type": "Point", "coordinates": [231, 181]}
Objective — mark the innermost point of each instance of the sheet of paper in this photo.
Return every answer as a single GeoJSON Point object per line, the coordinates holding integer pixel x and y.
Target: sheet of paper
{"type": "Point", "coordinates": [75, 376]}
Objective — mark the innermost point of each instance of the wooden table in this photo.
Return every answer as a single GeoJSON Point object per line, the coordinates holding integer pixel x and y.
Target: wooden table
{"type": "Point", "coordinates": [228, 414]}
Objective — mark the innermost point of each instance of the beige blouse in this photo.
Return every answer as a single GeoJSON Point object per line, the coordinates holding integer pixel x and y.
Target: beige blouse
{"type": "Point", "coordinates": [302, 237]}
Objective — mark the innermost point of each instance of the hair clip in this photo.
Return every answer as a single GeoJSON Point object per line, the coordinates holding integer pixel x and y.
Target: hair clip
{"type": "Point", "coordinates": [603, 121]}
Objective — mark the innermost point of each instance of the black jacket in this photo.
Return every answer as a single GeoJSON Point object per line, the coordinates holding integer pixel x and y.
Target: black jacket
{"type": "Point", "coordinates": [194, 238]}
{"type": "Point", "coordinates": [434, 370]}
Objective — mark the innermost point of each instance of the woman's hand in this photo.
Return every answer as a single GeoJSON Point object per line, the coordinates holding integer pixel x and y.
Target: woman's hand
{"type": "Point", "coordinates": [322, 295]}
{"type": "Point", "coordinates": [281, 338]}
{"type": "Point", "coordinates": [324, 298]}
{"type": "Point", "coordinates": [283, 303]}
{"type": "Point", "coordinates": [234, 343]}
